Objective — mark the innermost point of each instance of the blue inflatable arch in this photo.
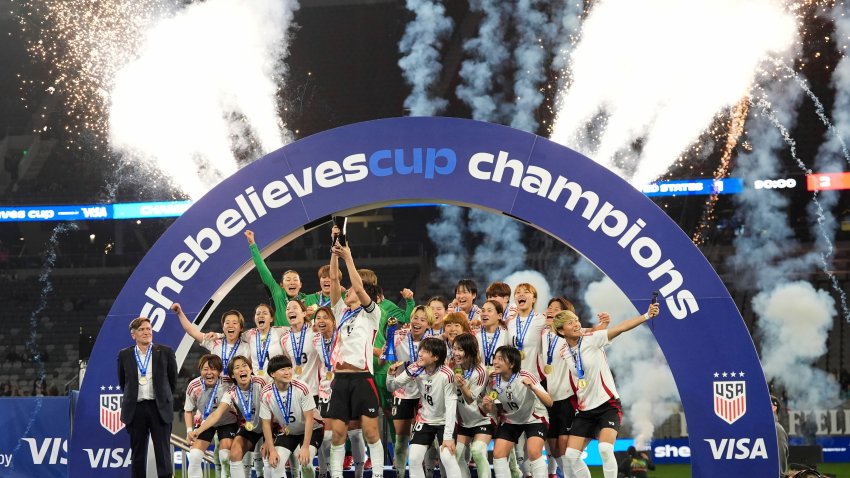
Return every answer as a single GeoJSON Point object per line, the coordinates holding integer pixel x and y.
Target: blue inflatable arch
{"type": "Point", "coordinates": [409, 160]}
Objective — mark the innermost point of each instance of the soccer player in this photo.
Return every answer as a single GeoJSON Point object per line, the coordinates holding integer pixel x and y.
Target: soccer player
{"type": "Point", "coordinates": [288, 289]}
{"type": "Point", "coordinates": [492, 334]}
{"type": "Point", "coordinates": [299, 342]}
{"type": "Point", "coordinates": [475, 428]}
{"type": "Point", "coordinates": [438, 406]}
{"type": "Point", "coordinates": [439, 306]}
{"type": "Point", "coordinates": [455, 324]}
{"type": "Point", "coordinates": [355, 393]}
{"type": "Point", "coordinates": [326, 335]}
{"type": "Point", "coordinates": [322, 297]}
{"type": "Point", "coordinates": [466, 291]}
{"type": "Point", "coordinates": [523, 403]}
{"type": "Point", "coordinates": [287, 410]}
{"type": "Point", "coordinates": [227, 346]}
{"type": "Point", "coordinates": [406, 399]}
{"type": "Point", "coordinates": [203, 395]}
{"type": "Point", "coordinates": [243, 398]}
{"type": "Point", "coordinates": [501, 293]}
{"type": "Point", "coordinates": [598, 403]}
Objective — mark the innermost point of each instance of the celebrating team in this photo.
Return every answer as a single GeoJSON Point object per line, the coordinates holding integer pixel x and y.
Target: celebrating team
{"type": "Point", "coordinates": [318, 370]}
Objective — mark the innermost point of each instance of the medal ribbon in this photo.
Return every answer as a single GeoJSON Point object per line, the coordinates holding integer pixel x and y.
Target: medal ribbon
{"type": "Point", "coordinates": [522, 331]}
{"type": "Point", "coordinates": [143, 368]}
{"type": "Point", "coordinates": [297, 348]}
{"type": "Point", "coordinates": [324, 301]}
{"type": "Point", "coordinates": [552, 344]}
{"type": "Point", "coordinates": [489, 349]}
{"type": "Point", "coordinates": [263, 352]}
{"type": "Point", "coordinates": [414, 352]}
{"type": "Point", "coordinates": [285, 410]}
{"type": "Point", "coordinates": [208, 407]}
{"type": "Point", "coordinates": [247, 411]}
{"type": "Point", "coordinates": [416, 373]}
{"type": "Point", "coordinates": [499, 382]}
{"type": "Point", "coordinates": [225, 357]}
{"type": "Point", "coordinates": [472, 312]}
{"type": "Point", "coordinates": [468, 373]}
{"type": "Point", "coordinates": [347, 315]}
{"type": "Point", "coordinates": [326, 351]}
{"type": "Point", "coordinates": [577, 359]}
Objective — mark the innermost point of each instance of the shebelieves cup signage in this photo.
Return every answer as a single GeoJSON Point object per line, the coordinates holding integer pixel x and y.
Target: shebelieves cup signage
{"type": "Point", "coordinates": [443, 160]}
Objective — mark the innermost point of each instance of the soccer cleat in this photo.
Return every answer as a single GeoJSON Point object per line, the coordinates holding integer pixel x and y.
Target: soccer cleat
{"type": "Point", "coordinates": [368, 464]}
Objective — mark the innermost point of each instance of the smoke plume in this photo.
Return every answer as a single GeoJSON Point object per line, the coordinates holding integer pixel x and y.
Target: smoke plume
{"type": "Point", "coordinates": [420, 46]}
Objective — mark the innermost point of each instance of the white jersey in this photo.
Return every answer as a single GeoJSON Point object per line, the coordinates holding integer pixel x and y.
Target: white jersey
{"type": "Point", "coordinates": [520, 405]}
{"type": "Point", "coordinates": [256, 346]}
{"type": "Point", "coordinates": [225, 351]}
{"type": "Point", "coordinates": [231, 398]}
{"type": "Point", "coordinates": [325, 368]}
{"type": "Point", "coordinates": [473, 314]}
{"type": "Point", "coordinates": [470, 414]}
{"type": "Point", "coordinates": [438, 400]}
{"type": "Point", "coordinates": [558, 379]}
{"type": "Point", "coordinates": [600, 383]}
{"type": "Point", "coordinates": [501, 339]}
{"type": "Point", "coordinates": [306, 341]}
{"type": "Point", "coordinates": [531, 342]}
{"type": "Point", "coordinates": [198, 396]}
{"type": "Point", "coordinates": [302, 404]}
{"type": "Point", "coordinates": [356, 335]}
{"type": "Point", "coordinates": [403, 341]}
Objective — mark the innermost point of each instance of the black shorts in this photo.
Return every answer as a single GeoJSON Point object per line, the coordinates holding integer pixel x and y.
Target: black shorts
{"type": "Point", "coordinates": [588, 423]}
{"type": "Point", "coordinates": [291, 442]}
{"type": "Point", "coordinates": [354, 395]}
{"type": "Point", "coordinates": [561, 415]}
{"type": "Point", "coordinates": [322, 404]}
{"type": "Point", "coordinates": [252, 437]}
{"type": "Point", "coordinates": [224, 432]}
{"type": "Point", "coordinates": [486, 429]}
{"type": "Point", "coordinates": [404, 408]}
{"type": "Point", "coordinates": [512, 431]}
{"type": "Point", "coordinates": [424, 434]}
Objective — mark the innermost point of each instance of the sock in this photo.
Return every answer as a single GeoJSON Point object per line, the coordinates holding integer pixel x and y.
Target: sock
{"type": "Point", "coordinates": [479, 456]}
{"type": "Point", "coordinates": [358, 451]}
{"type": "Point", "coordinates": [323, 453]}
{"type": "Point", "coordinates": [448, 464]}
{"type": "Point", "coordinates": [237, 468]}
{"type": "Point", "coordinates": [417, 457]}
{"type": "Point", "coordinates": [337, 455]}
{"type": "Point", "coordinates": [400, 448]}
{"type": "Point", "coordinates": [376, 451]}
{"type": "Point", "coordinates": [551, 463]}
{"type": "Point", "coordinates": [519, 449]}
{"type": "Point", "coordinates": [462, 457]}
{"type": "Point", "coordinates": [609, 462]}
{"type": "Point", "coordinates": [307, 471]}
{"type": "Point", "coordinates": [573, 461]}
{"type": "Point", "coordinates": [258, 461]}
{"type": "Point", "coordinates": [294, 466]}
{"type": "Point", "coordinates": [248, 463]}
{"type": "Point", "coordinates": [501, 467]}
{"type": "Point", "coordinates": [196, 458]}
{"type": "Point", "coordinates": [512, 464]}
{"type": "Point", "coordinates": [430, 460]}
{"type": "Point", "coordinates": [216, 459]}
{"type": "Point", "coordinates": [538, 468]}
{"type": "Point", "coordinates": [224, 459]}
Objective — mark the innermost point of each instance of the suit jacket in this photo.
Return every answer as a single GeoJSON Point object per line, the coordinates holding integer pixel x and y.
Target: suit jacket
{"type": "Point", "coordinates": [164, 368]}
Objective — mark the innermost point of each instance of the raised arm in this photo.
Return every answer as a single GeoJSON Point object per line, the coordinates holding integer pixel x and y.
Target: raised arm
{"type": "Point", "coordinates": [629, 324]}
{"type": "Point", "coordinates": [353, 275]}
{"type": "Point", "coordinates": [188, 326]}
{"type": "Point", "coordinates": [336, 287]}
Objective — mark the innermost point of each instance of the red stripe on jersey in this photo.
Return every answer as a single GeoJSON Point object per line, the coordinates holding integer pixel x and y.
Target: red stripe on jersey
{"type": "Point", "coordinates": [542, 419]}
{"type": "Point", "coordinates": [611, 395]}
{"type": "Point", "coordinates": [482, 374]}
{"type": "Point", "coordinates": [267, 388]}
{"type": "Point", "coordinates": [526, 374]}
{"type": "Point", "coordinates": [448, 373]}
{"type": "Point", "coordinates": [301, 386]}
{"type": "Point", "coordinates": [374, 389]}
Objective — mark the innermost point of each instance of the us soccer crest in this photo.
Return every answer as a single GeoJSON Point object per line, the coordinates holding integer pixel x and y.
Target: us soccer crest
{"type": "Point", "coordinates": [110, 412]}
{"type": "Point", "coordinates": [730, 400]}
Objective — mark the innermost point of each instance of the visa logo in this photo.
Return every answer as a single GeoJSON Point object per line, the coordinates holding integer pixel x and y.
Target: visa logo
{"type": "Point", "coordinates": [109, 457]}
{"type": "Point", "coordinates": [94, 212]}
{"type": "Point", "coordinates": [737, 449]}
{"type": "Point", "coordinates": [39, 451]}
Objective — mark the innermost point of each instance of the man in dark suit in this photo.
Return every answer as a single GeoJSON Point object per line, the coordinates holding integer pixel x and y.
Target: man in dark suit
{"type": "Point", "coordinates": [147, 374]}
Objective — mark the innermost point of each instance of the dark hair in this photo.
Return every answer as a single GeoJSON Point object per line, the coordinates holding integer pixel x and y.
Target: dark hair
{"type": "Point", "coordinates": [498, 289]}
{"type": "Point", "coordinates": [137, 322]}
{"type": "Point", "coordinates": [371, 290]}
{"type": "Point", "coordinates": [469, 285]}
{"type": "Point", "coordinates": [469, 344]}
{"type": "Point", "coordinates": [632, 451]}
{"type": "Point", "coordinates": [496, 305]}
{"type": "Point", "coordinates": [324, 271]}
{"type": "Point", "coordinates": [440, 299]}
{"type": "Point", "coordinates": [238, 316]}
{"type": "Point", "coordinates": [565, 304]}
{"type": "Point", "coordinates": [268, 306]}
{"type": "Point", "coordinates": [435, 347]}
{"type": "Point", "coordinates": [327, 310]}
{"type": "Point", "coordinates": [232, 364]}
{"type": "Point", "coordinates": [214, 361]}
{"type": "Point", "coordinates": [278, 362]}
{"type": "Point", "coordinates": [512, 356]}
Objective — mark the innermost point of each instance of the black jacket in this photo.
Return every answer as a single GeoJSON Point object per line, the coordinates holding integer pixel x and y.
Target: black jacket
{"type": "Point", "coordinates": [164, 368]}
